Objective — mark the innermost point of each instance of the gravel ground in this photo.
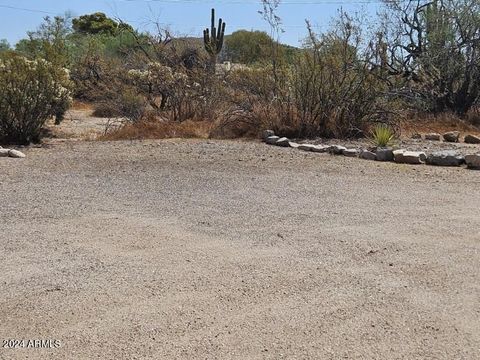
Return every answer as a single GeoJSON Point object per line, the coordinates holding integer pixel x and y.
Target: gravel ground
{"type": "Point", "coordinates": [236, 250]}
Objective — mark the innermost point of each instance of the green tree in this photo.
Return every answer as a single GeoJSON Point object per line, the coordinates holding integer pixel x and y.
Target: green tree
{"type": "Point", "coordinates": [248, 47]}
{"type": "Point", "coordinates": [4, 45]}
{"type": "Point", "coordinates": [98, 23]}
{"type": "Point", "coordinates": [49, 41]}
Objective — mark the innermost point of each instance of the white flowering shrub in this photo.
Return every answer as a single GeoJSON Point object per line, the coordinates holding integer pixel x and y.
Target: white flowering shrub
{"type": "Point", "coordinates": [30, 93]}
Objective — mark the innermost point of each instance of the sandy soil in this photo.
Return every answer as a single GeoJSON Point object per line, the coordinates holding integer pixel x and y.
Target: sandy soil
{"type": "Point", "coordinates": [236, 250]}
{"type": "Point", "coordinates": [79, 124]}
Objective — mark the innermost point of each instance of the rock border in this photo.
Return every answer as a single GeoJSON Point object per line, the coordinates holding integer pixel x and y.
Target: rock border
{"type": "Point", "coordinates": [11, 153]}
{"type": "Point", "coordinates": [444, 158]}
{"type": "Point", "coordinates": [448, 137]}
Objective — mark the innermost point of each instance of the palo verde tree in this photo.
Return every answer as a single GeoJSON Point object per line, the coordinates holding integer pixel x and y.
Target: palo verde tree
{"type": "Point", "coordinates": [249, 47]}
{"type": "Point", "coordinates": [213, 40]}
{"type": "Point", "coordinates": [49, 41]}
{"type": "Point", "coordinates": [4, 45]}
{"type": "Point", "coordinates": [436, 49]}
{"type": "Point", "coordinates": [97, 23]}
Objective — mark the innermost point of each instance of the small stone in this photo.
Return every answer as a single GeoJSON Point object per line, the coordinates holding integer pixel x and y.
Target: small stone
{"type": "Point", "coordinates": [433, 137]}
{"type": "Point", "coordinates": [445, 158]}
{"type": "Point", "coordinates": [451, 136]}
{"type": "Point", "coordinates": [368, 155]}
{"type": "Point", "coordinates": [16, 154]}
{"type": "Point", "coordinates": [416, 136]}
{"type": "Point", "coordinates": [293, 145]}
{"type": "Point", "coordinates": [4, 152]}
{"type": "Point", "coordinates": [306, 147]}
{"type": "Point", "coordinates": [271, 140]}
{"type": "Point", "coordinates": [414, 157]}
{"type": "Point", "coordinates": [337, 149]}
{"type": "Point", "coordinates": [384, 154]}
{"type": "Point", "coordinates": [472, 139]}
{"type": "Point", "coordinates": [473, 161]}
{"type": "Point", "coordinates": [351, 152]}
{"type": "Point", "coordinates": [285, 142]}
{"type": "Point", "coordinates": [267, 134]}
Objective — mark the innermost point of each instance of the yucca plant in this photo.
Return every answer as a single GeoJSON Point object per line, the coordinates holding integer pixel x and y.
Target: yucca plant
{"type": "Point", "coordinates": [382, 135]}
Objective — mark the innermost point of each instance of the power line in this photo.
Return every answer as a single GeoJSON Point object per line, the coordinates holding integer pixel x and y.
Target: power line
{"type": "Point", "coordinates": [227, 2]}
{"type": "Point", "coordinates": [236, 2]}
{"type": "Point", "coordinates": [319, 2]}
{"type": "Point", "coordinates": [25, 9]}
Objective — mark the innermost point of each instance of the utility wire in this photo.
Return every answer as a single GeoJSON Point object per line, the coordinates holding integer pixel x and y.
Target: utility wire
{"type": "Point", "coordinates": [236, 2]}
{"type": "Point", "coordinates": [25, 9]}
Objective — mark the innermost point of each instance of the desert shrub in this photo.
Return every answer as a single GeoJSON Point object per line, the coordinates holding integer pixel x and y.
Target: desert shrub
{"type": "Point", "coordinates": [127, 105]}
{"type": "Point", "coordinates": [132, 106]}
{"type": "Point", "coordinates": [175, 93]}
{"type": "Point", "coordinates": [61, 107]}
{"type": "Point", "coordinates": [433, 46]}
{"type": "Point", "coordinates": [31, 91]}
{"type": "Point", "coordinates": [103, 109]}
{"type": "Point", "coordinates": [253, 102]}
{"type": "Point", "coordinates": [335, 92]}
{"type": "Point", "coordinates": [473, 116]}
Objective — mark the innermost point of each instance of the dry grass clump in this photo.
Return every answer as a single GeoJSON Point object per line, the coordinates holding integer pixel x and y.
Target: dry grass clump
{"type": "Point", "coordinates": [148, 129]}
{"type": "Point", "coordinates": [473, 116]}
{"type": "Point", "coordinates": [439, 123]}
{"type": "Point", "coordinates": [80, 105]}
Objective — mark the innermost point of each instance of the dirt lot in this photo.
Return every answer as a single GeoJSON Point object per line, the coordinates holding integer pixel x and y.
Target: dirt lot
{"type": "Point", "coordinates": [182, 249]}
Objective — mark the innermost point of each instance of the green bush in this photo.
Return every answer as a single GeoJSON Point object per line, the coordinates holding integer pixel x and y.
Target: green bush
{"type": "Point", "coordinates": [30, 93]}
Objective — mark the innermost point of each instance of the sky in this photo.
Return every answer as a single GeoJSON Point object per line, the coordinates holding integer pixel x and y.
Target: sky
{"type": "Point", "coordinates": [182, 17]}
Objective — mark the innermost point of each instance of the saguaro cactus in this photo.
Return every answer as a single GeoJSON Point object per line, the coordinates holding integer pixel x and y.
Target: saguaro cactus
{"type": "Point", "coordinates": [213, 40]}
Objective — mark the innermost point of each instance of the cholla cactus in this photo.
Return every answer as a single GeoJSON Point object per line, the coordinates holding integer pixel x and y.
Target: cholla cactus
{"type": "Point", "coordinates": [158, 81]}
{"type": "Point", "coordinates": [30, 93]}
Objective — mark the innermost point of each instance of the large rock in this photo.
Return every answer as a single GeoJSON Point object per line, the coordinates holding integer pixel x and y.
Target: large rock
{"type": "Point", "coordinates": [306, 147]}
{"type": "Point", "coordinates": [351, 152]}
{"type": "Point", "coordinates": [472, 139]}
{"type": "Point", "coordinates": [4, 152]}
{"type": "Point", "coordinates": [433, 137]}
{"type": "Point", "coordinates": [337, 149]}
{"type": "Point", "coordinates": [445, 158]}
{"type": "Point", "coordinates": [398, 156]}
{"type": "Point", "coordinates": [451, 136]}
{"type": "Point", "coordinates": [321, 148]}
{"type": "Point", "coordinates": [16, 154]}
{"type": "Point", "coordinates": [367, 155]}
{"type": "Point", "coordinates": [272, 140]}
{"type": "Point", "coordinates": [414, 157]}
{"type": "Point", "coordinates": [384, 154]}
{"type": "Point", "coordinates": [473, 161]}
{"type": "Point", "coordinates": [267, 134]}
{"type": "Point", "coordinates": [285, 142]}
